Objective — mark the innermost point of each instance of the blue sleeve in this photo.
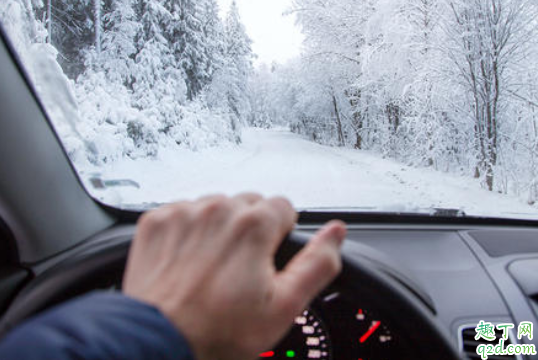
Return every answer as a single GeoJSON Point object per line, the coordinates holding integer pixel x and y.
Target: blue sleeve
{"type": "Point", "coordinates": [97, 326]}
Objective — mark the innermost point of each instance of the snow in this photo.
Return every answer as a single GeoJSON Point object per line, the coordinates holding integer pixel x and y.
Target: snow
{"type": "Point", "coordinates": [277, 162]}
{"type": "Point", "coordinates": [160, 92]}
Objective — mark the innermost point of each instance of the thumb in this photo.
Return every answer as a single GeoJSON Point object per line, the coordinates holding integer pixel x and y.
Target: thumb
{"type": "Point", "coordinates": [311, 270]}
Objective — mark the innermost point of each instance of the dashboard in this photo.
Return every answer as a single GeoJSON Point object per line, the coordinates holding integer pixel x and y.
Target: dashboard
{"type": "Point", "coordinates": [461, 275]}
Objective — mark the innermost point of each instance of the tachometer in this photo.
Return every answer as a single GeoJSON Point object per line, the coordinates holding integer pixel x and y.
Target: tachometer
{"type": "Point", "coordinates": [358, 331]}
{"type": "Point", "coordinates": [308, 339]}
{"type": "Point", "coordinates": [371, 330]}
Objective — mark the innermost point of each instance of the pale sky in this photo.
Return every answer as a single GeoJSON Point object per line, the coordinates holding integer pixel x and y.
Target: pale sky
{"type": "Point", "coordinates": [275, 36]}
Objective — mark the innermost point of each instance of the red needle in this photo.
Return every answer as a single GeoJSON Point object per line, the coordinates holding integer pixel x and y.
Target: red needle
{"type": "Point", "coordinates": [370, 331]}
{"type": "Point", "coordinates": [267, 354]}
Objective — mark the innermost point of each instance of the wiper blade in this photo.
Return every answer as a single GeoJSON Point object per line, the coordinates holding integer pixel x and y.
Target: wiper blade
{"type": "Point", "coordinates": [442, 212]}
{"type": "Point", "coordinates": [435, 212]}
{"type": "Point", "coordinates": [99, 183]}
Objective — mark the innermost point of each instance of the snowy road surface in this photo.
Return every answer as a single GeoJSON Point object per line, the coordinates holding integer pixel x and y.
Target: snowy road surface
{"type": "Point", "coordinates": [276, 162]}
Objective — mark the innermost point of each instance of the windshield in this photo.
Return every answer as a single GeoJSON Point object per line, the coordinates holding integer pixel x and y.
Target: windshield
{"type": "Point", "coordinates": [365, 105]}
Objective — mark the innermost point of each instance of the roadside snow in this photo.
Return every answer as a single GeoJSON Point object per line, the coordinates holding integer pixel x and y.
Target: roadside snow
{"type": "Point", "coordinates": [277, 162]}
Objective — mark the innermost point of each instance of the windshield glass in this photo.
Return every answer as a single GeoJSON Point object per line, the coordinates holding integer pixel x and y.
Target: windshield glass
{"type": "Point", "coordinates": [364, 105]}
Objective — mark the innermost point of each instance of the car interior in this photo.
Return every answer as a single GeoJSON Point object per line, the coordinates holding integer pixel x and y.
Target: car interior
{"type": "Point", "coordinates": [413, 286]}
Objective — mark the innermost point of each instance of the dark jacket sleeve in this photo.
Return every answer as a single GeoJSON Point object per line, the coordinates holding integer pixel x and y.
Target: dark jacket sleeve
{"type": "Point", "coordinates": [97, 326]}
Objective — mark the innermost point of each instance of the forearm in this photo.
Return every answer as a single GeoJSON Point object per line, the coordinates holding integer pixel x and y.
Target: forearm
{"type": "Point", "coordinates": [97, 326]}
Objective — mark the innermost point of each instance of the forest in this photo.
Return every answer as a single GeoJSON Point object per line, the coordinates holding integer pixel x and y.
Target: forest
{"type": "Point", "coordinates": [447, 84]}
{"type": "Point", "coordinates": [144, 74]}
{"type": "Point", "coordinates": [443, 84]}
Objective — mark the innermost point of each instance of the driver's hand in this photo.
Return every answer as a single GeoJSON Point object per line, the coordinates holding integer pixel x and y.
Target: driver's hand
{"type": "Point", "coordinates": [209, 267]}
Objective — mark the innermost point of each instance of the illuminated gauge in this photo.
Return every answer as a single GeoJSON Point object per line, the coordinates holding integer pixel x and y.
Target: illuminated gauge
{"type": "Point", "coordinates": [308, 339]}
{"type": "Point", "coordinates": [371, 330]}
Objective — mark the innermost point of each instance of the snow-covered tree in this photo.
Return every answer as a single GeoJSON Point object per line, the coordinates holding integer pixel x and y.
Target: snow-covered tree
{"type": "Point", "coordinates": [156, 65]}
{"type": "Point", "coordinates": [238, 62]}
{"type": "Point", "coordinates": [488, 40]}
{"type": "Point", "coordinates": [116, 50]}
{"type": "Point", "coordinates": [186, 38]}
{"type": "Point", "coordinates": [213, 38]}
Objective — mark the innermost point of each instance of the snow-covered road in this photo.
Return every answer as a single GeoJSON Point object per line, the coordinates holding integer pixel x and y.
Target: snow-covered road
{"type": "Point", "coordinates": [277, 162]}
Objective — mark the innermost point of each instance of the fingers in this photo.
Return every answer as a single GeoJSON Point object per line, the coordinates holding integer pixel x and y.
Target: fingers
{"type": "Point", "coordinates": [287, 218]}
{"type": "Point", "coordinates": [276, 215]}
{"type": "Point", "coordinates": [248, 198]}
{"type": "Point", "coordinates": [284, 208]}
{"type": "Point", "coordinates": [264, 224]}
{"type": "Point", "coordinates": [248, 216]}
{"type": "Point", "coordinates": [311, 270]}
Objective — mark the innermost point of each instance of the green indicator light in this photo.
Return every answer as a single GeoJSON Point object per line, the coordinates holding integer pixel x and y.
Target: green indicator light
{"type": "Point", "coordinates": [290, 353]}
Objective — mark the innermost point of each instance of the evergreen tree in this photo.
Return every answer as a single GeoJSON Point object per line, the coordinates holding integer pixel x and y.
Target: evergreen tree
{"type": "Point", "coordinates": [154, 57]}
{"type": "Point", "coordinates": [213, 37]}
{"type": "Point", "coordinates": [238, 63]}
{"type": "Point", "coordinates": [186, 35]}
{"type": "Point", "coordinates": [71, 30]}
{"type": "Point", "coordinates": [117, 49]}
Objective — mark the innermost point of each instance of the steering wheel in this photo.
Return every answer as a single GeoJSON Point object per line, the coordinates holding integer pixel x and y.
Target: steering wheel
{"type": "Point", "coordinates": [102, 266]}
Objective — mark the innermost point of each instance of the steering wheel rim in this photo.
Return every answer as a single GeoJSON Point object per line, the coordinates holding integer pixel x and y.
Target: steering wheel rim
{"type": "Point", "coordinates": [104, 265]}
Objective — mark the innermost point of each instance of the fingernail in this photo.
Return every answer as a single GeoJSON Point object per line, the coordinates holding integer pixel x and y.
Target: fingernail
{"type": "Point", "coordinates": [340, 238]}
{"type": "Point", "coordinates": [338, 233]}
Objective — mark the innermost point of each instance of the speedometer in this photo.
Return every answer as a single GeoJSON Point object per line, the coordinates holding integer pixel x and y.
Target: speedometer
{"type": "Point", "coordinates": [339, 325]}
{"type": "Point", "coordinates": [308, 339]}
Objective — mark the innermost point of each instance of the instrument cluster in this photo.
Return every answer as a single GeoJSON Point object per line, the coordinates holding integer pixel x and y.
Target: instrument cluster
{"type": "Point", "coordinates": [338, 326]}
